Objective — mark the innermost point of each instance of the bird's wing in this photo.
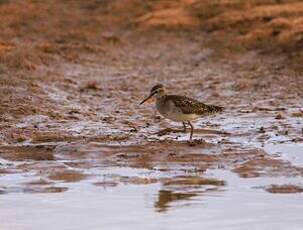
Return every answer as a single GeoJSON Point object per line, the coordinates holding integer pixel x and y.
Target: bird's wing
{"type": "Point", "coordinates": [189, 105]}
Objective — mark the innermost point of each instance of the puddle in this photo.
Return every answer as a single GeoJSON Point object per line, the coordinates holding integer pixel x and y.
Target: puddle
{"type": "Point", "coordinates": [240, 204]}
{"type": "Point", "coordinates": [289, 152]}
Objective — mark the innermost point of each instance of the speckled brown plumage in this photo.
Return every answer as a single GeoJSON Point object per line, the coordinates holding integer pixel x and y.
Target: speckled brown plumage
{"type": "Point", "coordinates": [180, 108]}
{"type": "Point", "coordinates": [190, 105]}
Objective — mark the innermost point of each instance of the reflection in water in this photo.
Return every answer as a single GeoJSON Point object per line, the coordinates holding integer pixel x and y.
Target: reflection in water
{"type": "Point", "coordinates": [2, 190]}
{"type": "Point", "coordinates": [184, 188]}
{"type": "Point", "coordinates": [290, 152]}
{"type": "Point", "coordinates": [33, 189]}
{"type": "Point", "coordinates": [166, 196]}
{"type": "Point", "coordinates": [237, 205]}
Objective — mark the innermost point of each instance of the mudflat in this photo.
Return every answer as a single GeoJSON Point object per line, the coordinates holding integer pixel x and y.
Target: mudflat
{"type": "Point", "coordinates": [72, 75]}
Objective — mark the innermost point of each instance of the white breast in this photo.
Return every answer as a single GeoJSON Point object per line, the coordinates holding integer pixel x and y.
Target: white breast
{"type": "Point", "coordinates": [170, 111]}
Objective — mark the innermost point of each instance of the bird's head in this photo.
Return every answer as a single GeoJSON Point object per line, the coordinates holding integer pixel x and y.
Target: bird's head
{"type": "Point", "coordinates": [158, 91]}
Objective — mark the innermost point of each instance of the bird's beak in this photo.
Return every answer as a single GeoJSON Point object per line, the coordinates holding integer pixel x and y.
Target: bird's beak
{"type": "Point", "coordinates": [152, 94]}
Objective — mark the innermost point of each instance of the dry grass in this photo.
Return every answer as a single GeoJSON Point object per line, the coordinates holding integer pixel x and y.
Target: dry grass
{"type": "Point", "coordinates": [68, 28]}
{"type": "Point", "coordinates": [274, 26]}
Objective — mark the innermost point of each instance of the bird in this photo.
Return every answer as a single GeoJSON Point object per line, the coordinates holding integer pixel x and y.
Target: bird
{"type": "Point", "coordinates": [180, 108]}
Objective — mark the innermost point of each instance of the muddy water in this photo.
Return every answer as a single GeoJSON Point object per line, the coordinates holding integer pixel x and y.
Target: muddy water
{"type": "Point", "coordinates": [240, 204]}
{"type": "Point", "coordinates": [160, 181]}
{"type": "Point", "coordinates": [289, 152]}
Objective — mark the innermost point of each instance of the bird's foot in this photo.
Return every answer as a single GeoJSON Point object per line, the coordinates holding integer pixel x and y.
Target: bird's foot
{"type": "Point", "coordinates": [196, 142]}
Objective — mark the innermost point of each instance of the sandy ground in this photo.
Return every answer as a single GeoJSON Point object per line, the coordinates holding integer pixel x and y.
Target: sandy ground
{"type": "Point", "coordinates": [72, 80]}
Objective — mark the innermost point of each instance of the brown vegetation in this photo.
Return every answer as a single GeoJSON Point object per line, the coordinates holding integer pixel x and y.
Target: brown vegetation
{"type": "Point", "coordinates": [269, 25]}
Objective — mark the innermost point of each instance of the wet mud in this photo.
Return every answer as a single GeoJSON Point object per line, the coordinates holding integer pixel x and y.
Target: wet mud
{"type": "Point", "coordinates": [70, 118]}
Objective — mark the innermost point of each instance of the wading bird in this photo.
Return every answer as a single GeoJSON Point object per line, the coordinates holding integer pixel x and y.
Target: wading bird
{"type": "Point", "coordinates": [180, 108]}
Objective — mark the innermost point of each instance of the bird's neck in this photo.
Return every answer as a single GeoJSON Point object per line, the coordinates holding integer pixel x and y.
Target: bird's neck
{"type": "Point", "coordinates": [160, 95]}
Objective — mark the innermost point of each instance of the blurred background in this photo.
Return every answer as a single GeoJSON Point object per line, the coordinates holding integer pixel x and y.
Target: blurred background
{"type": "Point", "coordinates": [38, 34]}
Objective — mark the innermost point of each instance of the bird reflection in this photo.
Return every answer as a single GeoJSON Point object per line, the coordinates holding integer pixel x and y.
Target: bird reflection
{"type": "Point", "coordinates": [165, 197]}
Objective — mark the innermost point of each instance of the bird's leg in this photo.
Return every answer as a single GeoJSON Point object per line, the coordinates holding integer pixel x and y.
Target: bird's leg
{"type": "Point", "coordinates": [184, 126]}
{"type": "Point", "coordinates": [191, 130]}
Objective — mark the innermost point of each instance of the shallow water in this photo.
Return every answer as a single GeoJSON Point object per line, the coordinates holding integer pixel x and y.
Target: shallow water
{"type": "Point", "coordinates": [241, 204]}
{"type": "Point", "coordinates": [289, 152]}
{"type": "Point", "coordinates": [120, 198]}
